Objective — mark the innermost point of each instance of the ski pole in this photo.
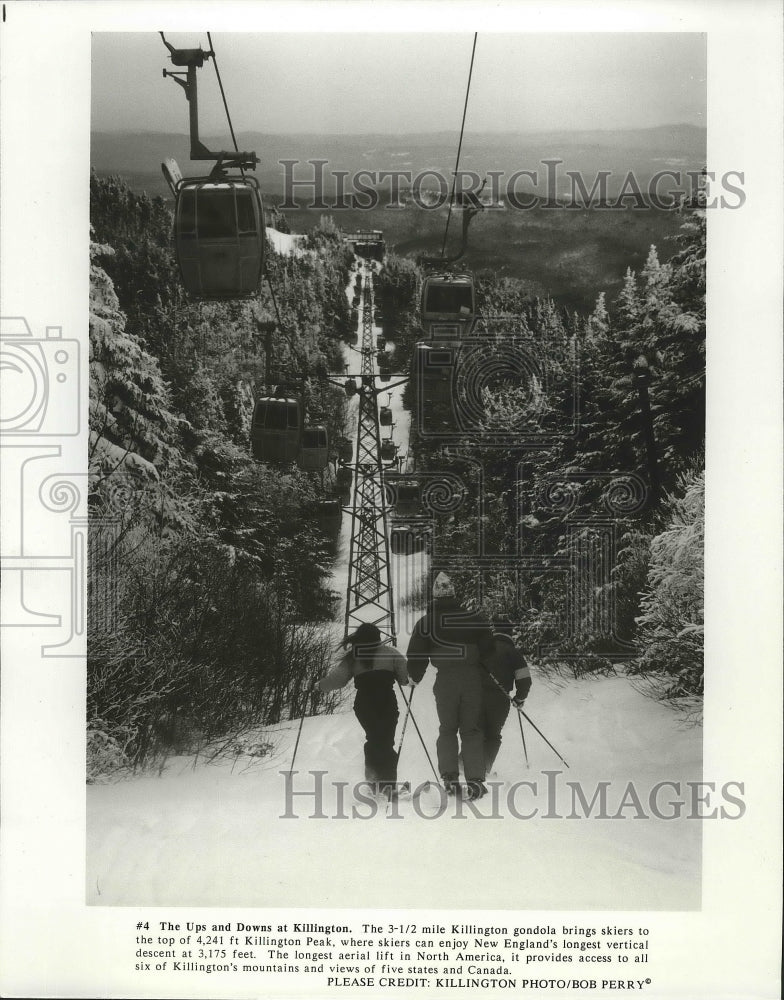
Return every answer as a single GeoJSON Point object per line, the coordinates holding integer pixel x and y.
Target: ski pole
{"type": "Point", "coordinates": [405, 718]}
{"type": "Point", "coordinates": [500, 687]}
{"type": "Point", "coordinates": [522, 737]}
{"type": "Point", "coordinates": [299, 733]}
{"type": "Point", "coordinates": [523, 714]}
{"type": "Point", "coordinates": [528, 717]}
{"type": "Point", "coordinates": [419, 734]}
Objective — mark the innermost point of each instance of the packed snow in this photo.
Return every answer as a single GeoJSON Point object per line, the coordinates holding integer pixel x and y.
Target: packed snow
{"type": "Point", "coordinates": [214, 833]}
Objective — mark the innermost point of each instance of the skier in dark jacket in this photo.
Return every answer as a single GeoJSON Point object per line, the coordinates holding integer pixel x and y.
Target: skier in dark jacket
{"type": "Point", "coordinates": [374, 667]}
{"type": "Point", "coordinates": [504, 666]}
{"type": "Point", "coordinates": [453, 639]}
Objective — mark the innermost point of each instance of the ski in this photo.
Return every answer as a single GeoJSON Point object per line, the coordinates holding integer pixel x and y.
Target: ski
{"type": "Point", "coordinates": [396, 789]}
{"type": "Point", "coordinates": [405, 794]}
{"type": "Point", "coordinates": [368, 792]}
{"type": "Point", "coordinates": [464, 790]}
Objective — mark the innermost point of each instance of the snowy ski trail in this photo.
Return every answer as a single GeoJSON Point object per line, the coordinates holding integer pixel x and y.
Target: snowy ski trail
{"type": "Point", "coordinates": [214, 834]}
{"type": "Point", "coordinates": [223, 833]}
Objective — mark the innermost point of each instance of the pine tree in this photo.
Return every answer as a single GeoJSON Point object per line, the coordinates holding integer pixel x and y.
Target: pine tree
{"type": "Point", "coordinates": [132, 429]}
{"type": "Point", "coordinates": [672, 608]}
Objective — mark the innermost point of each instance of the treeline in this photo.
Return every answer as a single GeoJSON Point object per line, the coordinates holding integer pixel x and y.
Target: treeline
{"type": "Point", "coordinates": [593, 460]}
{"type": "Point", "coordinates": [207, 569]}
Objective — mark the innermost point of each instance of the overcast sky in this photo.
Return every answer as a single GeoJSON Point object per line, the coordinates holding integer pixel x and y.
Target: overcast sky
{"type": "Point", "coordinates": [344, 83]}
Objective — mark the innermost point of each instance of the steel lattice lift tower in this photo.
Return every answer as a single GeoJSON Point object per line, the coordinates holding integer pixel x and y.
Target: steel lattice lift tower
{"type": "Point", "coordinates": [369, 594]}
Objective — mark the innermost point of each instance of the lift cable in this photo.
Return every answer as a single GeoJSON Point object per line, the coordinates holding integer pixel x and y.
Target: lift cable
{"type": "Point", "coordinates": [459, 147]}
{"type": "Point", "coordinates": [223, 96]}
{"type": "Point", "coordinates": [297, 355]}
{"type": "Point", "coordinates": [295, 352]}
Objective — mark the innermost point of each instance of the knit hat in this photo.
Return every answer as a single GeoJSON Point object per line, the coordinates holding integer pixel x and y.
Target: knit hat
{"type": "Point", "coordinates": [366, 635]}
{"type": "Point", "coordinates": [442, 586]}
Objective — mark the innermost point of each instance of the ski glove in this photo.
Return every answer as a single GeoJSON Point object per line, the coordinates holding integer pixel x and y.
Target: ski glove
{"type": "Point", "coordinates": [518, 699]}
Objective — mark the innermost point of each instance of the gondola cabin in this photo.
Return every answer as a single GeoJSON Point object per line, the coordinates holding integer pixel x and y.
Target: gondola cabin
{"type": "Point", "coordinates": [381, 343]}
{"type": "Point", "coordinates": [409, 501]}
{"type": "Point", "coordinates": [276, 429]}
{"type": "Point", "coordinates": [345, 449]}
{"type": "Point", "coordinates": [314, 450]}
{"type": "Point", "coordinates": [327, 510]}
{"type": "Point", "coordinates": [385, 416]}
{"type": "Point", "coordinates": [388, 450]}
{"type": "Point", "coordinates": [343, 479]}
{"type": "Point", "coordinates": [433, 368]}
{"type": "Point", "coordinates": [407, 540]}
{"type": "Point", "coordinates": [219, 236]}
{"type": "Point", "coordinates": [390, 479]}
{"type": "Point", "coordinates": [448, 306]}
{"type": "Point", "coordinates": [327, 514]}
{"type": "Point", "coordinates": [350, 387]}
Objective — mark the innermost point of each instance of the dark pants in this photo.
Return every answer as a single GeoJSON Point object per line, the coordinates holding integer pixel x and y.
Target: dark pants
{"type": "Point", "coordinates": [495, 712]}
{"type": "Point", "coordinates": [375, 707]}
{"type": "Point", "coordinates": [458, 691]}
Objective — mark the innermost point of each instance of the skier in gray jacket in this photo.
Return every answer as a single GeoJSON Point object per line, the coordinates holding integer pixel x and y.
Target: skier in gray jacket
{"type": "Point", "coordinates": [453, 639]}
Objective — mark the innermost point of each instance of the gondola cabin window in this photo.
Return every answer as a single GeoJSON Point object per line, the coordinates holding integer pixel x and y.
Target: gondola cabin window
{"type": "Point", "coordinates": [455, 300]}
{"type": "Point", "coordinates": [448, 306]}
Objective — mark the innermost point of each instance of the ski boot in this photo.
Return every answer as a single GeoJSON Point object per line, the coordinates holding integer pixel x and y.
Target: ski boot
{"type": "Point", "coordinates": [451, 784]}
{"type": "Point", "coordinates": [403, 789]}
{"type": "Point", "coordinates": [475, 790]}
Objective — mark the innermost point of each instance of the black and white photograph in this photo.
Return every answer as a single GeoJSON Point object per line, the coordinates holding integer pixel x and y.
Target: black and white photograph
{"type": "Point", "coordinates": [391, 505]}
{"type": "Point", "coordinates": [379, 433]}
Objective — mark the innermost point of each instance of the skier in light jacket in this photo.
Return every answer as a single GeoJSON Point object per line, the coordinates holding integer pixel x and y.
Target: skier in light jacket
{"type": "Point", "coordinates": [453, 639]}
{"type": "Point", "coordinates": [374, 667]}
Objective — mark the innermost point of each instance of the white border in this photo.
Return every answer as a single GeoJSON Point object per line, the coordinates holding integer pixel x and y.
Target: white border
{"type": "Point", "coordinates": [52, 944]}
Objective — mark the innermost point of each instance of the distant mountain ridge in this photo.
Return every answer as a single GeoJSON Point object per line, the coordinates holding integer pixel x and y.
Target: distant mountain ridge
{"type": "Point", "coordinates": [571, 256]}
{"type": "Point", "coordinates": [446, 135]}
{"type": "Point", "coordinates": [642, 150]}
